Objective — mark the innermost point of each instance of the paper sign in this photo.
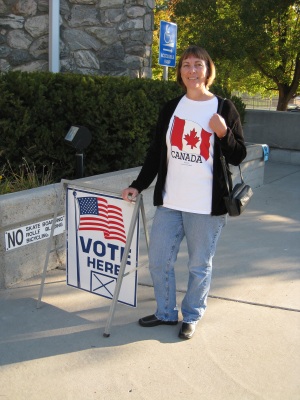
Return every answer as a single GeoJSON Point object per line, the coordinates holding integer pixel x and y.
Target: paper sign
{"type": "Point", "coordinates": [97, 229]}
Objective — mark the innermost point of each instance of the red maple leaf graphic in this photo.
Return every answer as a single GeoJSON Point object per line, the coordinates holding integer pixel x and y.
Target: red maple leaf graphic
{"type": "Point", "coordinates": [192, 139]}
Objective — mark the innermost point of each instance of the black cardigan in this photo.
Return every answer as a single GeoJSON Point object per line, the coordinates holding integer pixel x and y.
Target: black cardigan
{"type": "Point", "coordinates": [233, 148]}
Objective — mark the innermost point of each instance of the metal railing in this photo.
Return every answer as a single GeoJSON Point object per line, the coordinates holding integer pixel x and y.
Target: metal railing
{"type": "Point", "coordinates": [262, 103]}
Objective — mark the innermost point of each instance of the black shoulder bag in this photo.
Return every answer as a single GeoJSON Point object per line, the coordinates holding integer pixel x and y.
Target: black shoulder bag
{"type": "Point", "coordinates": [239, 196]}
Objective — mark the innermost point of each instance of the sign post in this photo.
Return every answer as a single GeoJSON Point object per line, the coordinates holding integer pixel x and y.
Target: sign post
{"type": "Point", "coordinates": [102, 244]}
{"type": "Point", "coordinates": [122, 274]}
{"type": "Point", "coordinates": [167, 46]}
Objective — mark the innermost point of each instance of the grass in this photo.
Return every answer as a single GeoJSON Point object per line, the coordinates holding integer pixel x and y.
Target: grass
{"type": "Point", "coordinates": [26, 178]}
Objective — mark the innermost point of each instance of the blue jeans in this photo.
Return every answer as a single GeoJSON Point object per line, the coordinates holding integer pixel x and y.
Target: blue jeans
{"type": "Point", "coordinates": [168, 230]}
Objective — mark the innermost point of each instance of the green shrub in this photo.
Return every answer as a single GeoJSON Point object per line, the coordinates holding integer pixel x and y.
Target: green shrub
{"type": "Point", "coordinates": [37, 110]}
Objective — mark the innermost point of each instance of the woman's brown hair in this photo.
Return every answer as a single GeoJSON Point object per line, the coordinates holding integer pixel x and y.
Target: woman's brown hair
{"type": "Point", "coordinates": [201, 53]}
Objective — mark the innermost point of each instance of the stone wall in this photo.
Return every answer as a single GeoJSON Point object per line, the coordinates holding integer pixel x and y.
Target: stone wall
{"type": "Point", "coordinates": [279, 130]}
{"type": "Point", "coordinates": [103, 37]}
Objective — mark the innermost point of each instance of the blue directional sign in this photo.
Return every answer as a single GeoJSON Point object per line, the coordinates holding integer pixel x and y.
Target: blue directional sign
{"type": "Point", "coordinates": [167, 44]}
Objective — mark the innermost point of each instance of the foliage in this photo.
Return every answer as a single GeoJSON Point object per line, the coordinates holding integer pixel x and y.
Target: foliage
{"type": "Point", "coordinates": [26, 178]}
{"type": "Point", "coordinates": [256, 45]}
{"type": "Point", "coordinates": [37, 110]}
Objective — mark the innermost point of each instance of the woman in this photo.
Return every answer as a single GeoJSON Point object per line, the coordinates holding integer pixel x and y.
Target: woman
{"type": "Point", "coordinates": [185, 157]}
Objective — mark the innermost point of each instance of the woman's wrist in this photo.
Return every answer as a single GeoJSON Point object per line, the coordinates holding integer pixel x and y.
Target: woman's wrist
{"type": "Point", "coordinates": [223, 136]}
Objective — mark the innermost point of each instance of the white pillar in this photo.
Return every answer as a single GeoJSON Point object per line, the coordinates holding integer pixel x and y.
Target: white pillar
{"type": "Point", "coordinates": [54, 64]}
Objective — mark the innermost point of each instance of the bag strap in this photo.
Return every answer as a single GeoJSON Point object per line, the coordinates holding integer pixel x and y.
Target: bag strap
{"type": "Point", "coordinates": [226, 171]}
{"type": "Point", "coordinates": [220, 106]}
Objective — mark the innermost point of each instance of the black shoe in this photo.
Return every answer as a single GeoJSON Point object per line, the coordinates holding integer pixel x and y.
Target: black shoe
{"type": "Point", "coordinates": [187, 330]}
{"type": "Point", "coordinates": [151, 320]}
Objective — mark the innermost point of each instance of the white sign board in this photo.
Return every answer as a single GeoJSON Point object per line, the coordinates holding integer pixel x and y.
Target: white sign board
{"type": "Point", "coordinates": [33, 233]}
{"type": "Point", "coordinates": [97, 228]}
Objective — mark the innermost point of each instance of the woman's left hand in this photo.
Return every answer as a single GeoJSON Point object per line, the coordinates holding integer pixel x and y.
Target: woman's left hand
{"type": "Point", "coordinates": [218, 125]}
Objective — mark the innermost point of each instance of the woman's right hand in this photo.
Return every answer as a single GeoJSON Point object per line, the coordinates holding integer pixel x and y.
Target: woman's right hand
{"type": "Point", "coordinates": [129, 194]}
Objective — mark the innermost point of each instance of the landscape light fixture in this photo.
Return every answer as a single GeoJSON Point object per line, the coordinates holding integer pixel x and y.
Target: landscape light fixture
{"type": "Point", "coordinates": [79, 137]}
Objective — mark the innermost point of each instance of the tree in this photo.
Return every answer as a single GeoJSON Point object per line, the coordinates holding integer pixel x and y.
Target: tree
{"type": "Point", "coordinates": [247, 37]}
{"type": "Point", "coordinates": [275, 46]}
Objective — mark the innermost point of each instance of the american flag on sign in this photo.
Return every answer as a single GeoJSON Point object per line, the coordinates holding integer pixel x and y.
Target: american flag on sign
{"type": "Point", "coordinates": [97, 215]}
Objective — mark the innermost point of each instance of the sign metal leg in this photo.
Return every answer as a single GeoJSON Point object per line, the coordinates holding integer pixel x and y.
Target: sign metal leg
{"type": "Point", "coordinates": [123, 266]}
{"type": "Point", "coordinates": [49, 245]}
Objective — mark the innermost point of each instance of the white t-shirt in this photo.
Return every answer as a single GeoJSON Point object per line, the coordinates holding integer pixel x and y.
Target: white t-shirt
{"type": "Point", "coordinates": [190, 144]}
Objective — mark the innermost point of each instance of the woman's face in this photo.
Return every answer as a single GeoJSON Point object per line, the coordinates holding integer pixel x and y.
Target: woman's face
{"type": "Point", "coordinates": [194, 73]}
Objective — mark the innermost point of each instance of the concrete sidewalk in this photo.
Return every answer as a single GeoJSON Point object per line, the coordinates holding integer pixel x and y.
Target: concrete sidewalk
{"type": "Point", "coordinates": [246, 347]}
